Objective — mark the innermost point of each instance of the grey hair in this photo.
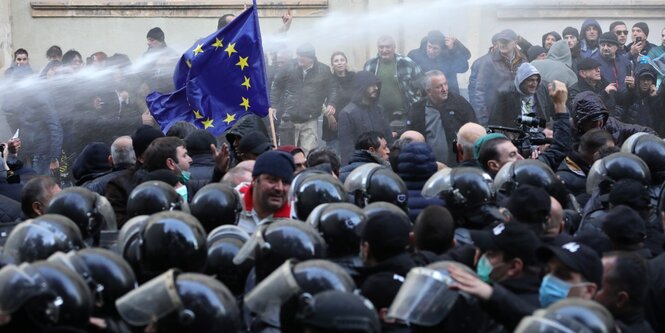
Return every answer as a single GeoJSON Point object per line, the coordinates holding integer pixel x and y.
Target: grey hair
{"type": "Point", "coordinates": [122, 154]}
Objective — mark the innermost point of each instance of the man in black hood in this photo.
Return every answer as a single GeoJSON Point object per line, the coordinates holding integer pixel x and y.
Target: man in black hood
{"type": "Point", "coordinates": [362, 114]}
{"type": "Point", "coordinates": [641, 103]}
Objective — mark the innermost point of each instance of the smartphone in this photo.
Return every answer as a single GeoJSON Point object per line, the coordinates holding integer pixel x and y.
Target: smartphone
{"type": "Point", "coordinates": [638, 39]}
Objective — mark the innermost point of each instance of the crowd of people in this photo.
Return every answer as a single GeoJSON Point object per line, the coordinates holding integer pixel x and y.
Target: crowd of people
{"type": "Point", "coordinates": [394, 202]}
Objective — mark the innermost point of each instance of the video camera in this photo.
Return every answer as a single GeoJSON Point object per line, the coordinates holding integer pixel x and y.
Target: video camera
{"type": "Point", "coordinates": [527, 136]}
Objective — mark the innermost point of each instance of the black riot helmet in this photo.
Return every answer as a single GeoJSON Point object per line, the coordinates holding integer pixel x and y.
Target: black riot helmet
{"type": "Point", "coordinates": [90, 211]}
{"type": "Point", "coordinates": [154, 196]}
{"type": "Point", "coordinates": [284, 287]}
{"type": "Point", "coordinates": [38, 238]}
{"type": "Point", "coordinates": [340, 225]}
{"type": "Point", "coordinates": [107, 275]}
{"type": "Point", "coordinates": [216, 204]}
{"type": "Point", "coordinates": [372, 182]}
{"type": "Point", "coordinates": [606, 171]}
{"type": "Point", "coordinates": [468, 194]}
{"type": "Point", "coordinates": [44, 294]}
{"type": "Point", "coordinates": [224, 243]}
{"type": "Point", "coordinates": [521, 172]}
{"type": "Point", "coordinates": [271, 245]}
{"type": "Point", "coordinates": [311, 188]}
{"type": "Point", "coordinates": [425, 301]}
{"type": "Point", "coordinates": [651, 149]}
{"type": "Point", "coordinates": [129, 241]}
{"type": "Point", "coordinates": [183, 303]}
{"type": "Point", "coordinates": [171, 240]}
{"type": "Point", "coordinates": [338, 311]}
{"type": "Point", "coordinates": [569, 315]}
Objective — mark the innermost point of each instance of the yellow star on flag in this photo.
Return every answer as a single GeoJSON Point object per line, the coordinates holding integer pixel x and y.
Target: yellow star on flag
{"type": "Point", "coordinates": [245, 103]}
{"type": "Point", "coordinates": [231, 49]}
{"type": "Point", "coordinates": [218, 43]}
{"type": "Point", "coordinates": [198, 49]}
{"type": "Point", "coordinates": [246, 83]}
{"type": "Point", "coordinates": [229, 118]}
{"type": "Point", "coordinates": [242, 62]}
{"type": "Point", "coordinates": [197, 114]}
{"type": "Point", "coordinates": [207, 123]}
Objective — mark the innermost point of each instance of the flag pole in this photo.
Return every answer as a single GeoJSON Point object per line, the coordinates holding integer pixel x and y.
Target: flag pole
{"type": "Point", "coordinates": [271, 115]}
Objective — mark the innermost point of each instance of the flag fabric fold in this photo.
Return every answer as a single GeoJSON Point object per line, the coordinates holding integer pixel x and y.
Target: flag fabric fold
{"type": "Point", "coordinates": [218, 80]}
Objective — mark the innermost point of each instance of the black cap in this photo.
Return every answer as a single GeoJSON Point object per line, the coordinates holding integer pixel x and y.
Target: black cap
{"type": "Point", "coordinates": [571, 31]}
{"type": "Point", "coordinates": [609, 37]}
{"type": "Point", "coordinates": [142, 138]}
{"type": "Point", "coordinates": [624, 226]}
{"type": "Point", "coordinates": [578, 257]}
{"type": "Point", "coordinates": [507, 34]}
{"type": "Point", "coordinates": [275, 163]}
{"type": "Point", "coordinates": [514, 239]}
{"type": "Point", "coordinates": [199, 141]}
{"type": "Point", "coordinates": [381, 288]}
{"type": "Point", "coordinates": [529, 204]}
{"type": "Point", "coordinates": [588, 63]}
{"type": "Point", "coordinates": [387, 233]}
{"type": "Point", "coordinates": [631, 193]}
{"type": "Point", "coordinates": [255, 143]}
{"type": "Point", "coordinates": [156, 34]}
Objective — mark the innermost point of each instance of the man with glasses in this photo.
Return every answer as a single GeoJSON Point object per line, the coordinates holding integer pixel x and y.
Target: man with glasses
{"type": "Point", "coordinates": [620, 29]}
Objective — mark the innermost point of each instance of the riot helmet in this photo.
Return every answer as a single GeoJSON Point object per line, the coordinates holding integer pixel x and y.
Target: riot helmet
{"type": "Point", "coordinates": [38, 238]}
{"type": "Point", "coordinates": [171, 240]}
{"type": "Point", "coordinates": [651, 149]}
{"type": "Point", "coordinates": [338, 311]}
{"type": "Point", "coordinates": [610, 169]}
{"type": "Point", "coordinates": [45, 294]}
{"type": "Point", "coordinates": [154, 196]}
{"type": "Point", "coordinates": [129, 241]}
{"type": "Point", "coordinates": [224, 243]}
{"type": "Point", "coordinates": [531, 172]}
{"type": "Point", "coordinates": [183, 303]}
{"type": "Point", "coordinates": [272, 244]}
{"type": "Point", "coordinates": [312, 188]}
{"type": "Point", "coordinates": [425, 301]}
{"type": "Point", "coordinates": [283, 288]}
{"type": "Point", "coordinates": [468, 194]}
{"type": "Point", "coordinates": [340, 225]}
{"type": "Point", "coordinates": [107, 275]}
{"type": "Point", "coordinates": [567, 316]}
{"type": "Point", "coordinates": [373, 182]}
{"type": "Point", "coordinates": [90, 211]}
{"type": "Point", "coordinates": [216, 204]}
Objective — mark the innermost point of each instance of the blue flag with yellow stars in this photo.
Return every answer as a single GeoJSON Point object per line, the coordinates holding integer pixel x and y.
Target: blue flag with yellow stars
{"type": "Point", "coordinates": [223, 79]}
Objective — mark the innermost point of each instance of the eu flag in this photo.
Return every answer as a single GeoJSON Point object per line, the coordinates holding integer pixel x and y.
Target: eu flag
{"type": "Point", "coordinates": [219, 80]}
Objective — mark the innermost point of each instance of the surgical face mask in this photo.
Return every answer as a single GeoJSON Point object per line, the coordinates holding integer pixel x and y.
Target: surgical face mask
{"type": "Point", "coordinates": [484, 269]}
{"type": "Point", "coordinates": [184, 175]}
{"type": "Point", "coordinates": [182, 190]}
{"type": "Point", "coordinates": [552, 289]}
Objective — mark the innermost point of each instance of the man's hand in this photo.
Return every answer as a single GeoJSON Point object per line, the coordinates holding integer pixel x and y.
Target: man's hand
{"type": "Point", "coordinates": [332, 122]}
{"type": "Point", "coordinates": [470, 283]}
{"type": "Point", "coordinates": [653, 91]}
{"type": "Point", "coordinates": [54, 165]}
{"type": "Point", "coordinates": [611, 87]}
{"type": "Point", "coordinates": [272, 112]}
{"type": "Point", "coordinates": [221, 156]}
{"type": "Point", "coordinates": [630, 81]}
{"type": "Point", "coordinates": [14, 145]}
{"type": "Point", "coordinates": [559, 94]}
{"type": "Point", "coordinates": [330, 111]}
{"type": "Point", "coordinates": [636, 48]}
{"type": "Point", "coordinates": [147, 119]}
{"type": "Point", "coordinates": [287, 18]}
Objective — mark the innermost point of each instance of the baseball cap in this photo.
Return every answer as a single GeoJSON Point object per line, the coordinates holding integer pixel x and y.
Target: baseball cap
{"type": "Point", "coordinates": [514, 239]}
{"type": "Point", "coordinates": [576, 256]}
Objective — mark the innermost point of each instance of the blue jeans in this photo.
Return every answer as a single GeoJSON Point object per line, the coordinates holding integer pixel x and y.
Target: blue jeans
{"type": "Point", "coordinates": [41, 163]}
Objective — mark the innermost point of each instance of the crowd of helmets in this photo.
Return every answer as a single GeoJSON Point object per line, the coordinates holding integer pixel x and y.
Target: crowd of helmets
{"type": "Point", "coordinates": [187, 267]}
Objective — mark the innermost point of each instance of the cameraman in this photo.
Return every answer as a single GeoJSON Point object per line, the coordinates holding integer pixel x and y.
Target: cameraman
{"type": "Point", "coordinates": [493, 150]}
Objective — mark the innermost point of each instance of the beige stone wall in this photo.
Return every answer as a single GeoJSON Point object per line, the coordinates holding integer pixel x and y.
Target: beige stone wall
{"type": "Point", "coordinates": [120, 26]}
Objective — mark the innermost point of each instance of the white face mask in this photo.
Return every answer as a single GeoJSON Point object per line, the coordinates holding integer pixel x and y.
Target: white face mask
{"type": "Point", "coordinates": [182, 190]}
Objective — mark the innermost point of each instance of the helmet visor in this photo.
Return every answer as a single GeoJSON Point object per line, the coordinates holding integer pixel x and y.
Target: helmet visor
{"type": "Point", "coordinates": [248, 250]}
{"type": "Point", "coordinates": [104, 209]}
{"type": "Point", "coordinates": [273, 291]}
{"type": "Point", "coordinates": [424, 298]}
{"type": "Point", "coordinates": [503, 178]}
{"type": "Point", "coordinates": [437, 183]}
{"type": "Point", "coordinates": [150, 302]}
{"type": "Point", "coordinates": [227, 231]}
{"type": "Point", "coordinates": [597, 174]}
{"type": "Point", "coordinates": [17, 286]}
{"type": "Point", "coordinates": [129, 231]}
{"type": "Point", "coordinates": [358, 178]}
{"type": "Point", "coordinates": [534, 324]}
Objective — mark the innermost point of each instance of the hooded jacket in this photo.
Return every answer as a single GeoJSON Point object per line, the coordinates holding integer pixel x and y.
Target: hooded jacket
{"type": "Point", "coordinates": [509, 101]}
{"type": "Point", "coordinates": [415, 165]}
{"type": "Point", "coordinates": [556, 35]}
{"type": "Point", "coordinates": [357, 118]}
{"type": "Point", "coordinates": [587, 50]}
{"type": "Point", "coordinates": [450, 62]}
{"type": "Point", "coordinates": [558, 65]}
{"type": "Point", "coordinates": [640, 107]}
